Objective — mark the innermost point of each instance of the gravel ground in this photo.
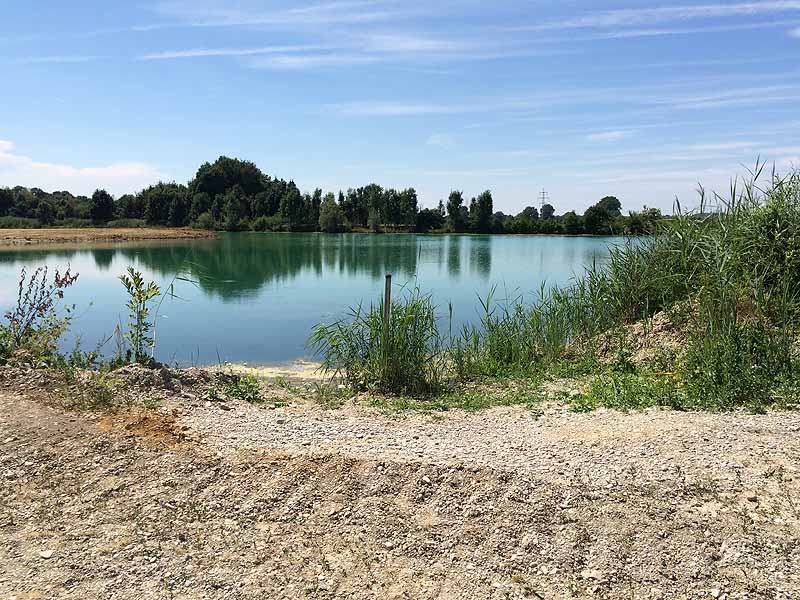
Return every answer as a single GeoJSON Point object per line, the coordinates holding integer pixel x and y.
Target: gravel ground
{"type": "Point", "coordinates": [226, 500]}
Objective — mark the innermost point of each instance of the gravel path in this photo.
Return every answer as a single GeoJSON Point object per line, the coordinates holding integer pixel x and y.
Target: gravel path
{"type": "Point", "coordinates": [197, 501]}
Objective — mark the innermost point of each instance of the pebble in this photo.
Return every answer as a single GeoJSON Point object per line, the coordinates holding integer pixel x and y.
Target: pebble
{"type": "Point", "coordinates": [45, 554]}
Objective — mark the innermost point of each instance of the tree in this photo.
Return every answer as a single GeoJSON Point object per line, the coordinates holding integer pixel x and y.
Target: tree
{"type": "Point", "coordinates": [481, 209]}
{"type": "Point", "coordinates": [611, 205]}
{"type": "Point", "coordinates": [596, 220]}
{"type": "Point", "coordinates": [292, 207]}
{"type": "Point", "coordinates": [428, 219]}
{"type": "Point", "coordinates": [45, 212]}
{"type": "Point", "coordinates": [201, 202]}
{"type": "Point", "coordinates": [455, 214]}
{"type": "Point", "coordinates": [548, 212]}
{"type": "Point", "coordinates": [331, 216]}
{"type": "Point", "coordinates": [6, 201]}
{"type": "Point", "coordinates": [374, 220]}
{"type": "Point", "coordinates": [572, 223]}
{"type": "Point", "coordinates": [101, 208]}
{"type": "Point", "coordinates": [529, 212]}
{"type": "Point", "coordinates": [235, 208]}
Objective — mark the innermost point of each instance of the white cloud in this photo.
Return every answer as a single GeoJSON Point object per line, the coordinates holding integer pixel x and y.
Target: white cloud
{"type": "Point", "coordinates": [390, 109]}
{"type": "Point", "coordinates": [609, 136]}
{"type": "Point", "coordinates": [57, 59]}
{"type": "Point", "coordinates": [311, 61]}
{"type": "Point", "coordinates": [118, 178]}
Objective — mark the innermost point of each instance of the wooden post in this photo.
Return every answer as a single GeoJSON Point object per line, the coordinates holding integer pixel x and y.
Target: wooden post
{"type": "Point", "coordinates": [387, 304]}
{"type": "Point", "coordinates": [387, 311]}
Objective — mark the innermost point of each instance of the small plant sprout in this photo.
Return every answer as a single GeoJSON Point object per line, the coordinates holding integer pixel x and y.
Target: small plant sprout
{"type": "Point", "coordinates": [141, 295]}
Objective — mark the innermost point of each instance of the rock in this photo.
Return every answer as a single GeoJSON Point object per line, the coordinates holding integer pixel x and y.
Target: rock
{"type": "Point", "coordinates": [715, 593]}
{"type": "Point", "coordinates": [45, 554]}
{"type": "Point", "coordinates": [751, 497]}
{"type": "Point", "coordinates": [388, 545]}
{"type": "Point", "coordinates": [426, 480]}
{"type": "Point", "coordinates": [594, 574]}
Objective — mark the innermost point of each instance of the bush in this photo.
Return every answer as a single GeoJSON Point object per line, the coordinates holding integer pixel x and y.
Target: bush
{"type": "Point", "coordinates": [19, 223]}
{"type": "Point", "coordinates": [127, 223]}
{"type": "Point", "coordinates": [273, 223]}
{"type": "Point", "coordinates": [34, 325]}
{"type": "Point", "coordinates": [204, 221]}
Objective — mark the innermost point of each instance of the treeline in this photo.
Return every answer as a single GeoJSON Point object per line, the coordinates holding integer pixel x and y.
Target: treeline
{"type": "Point", "coordinates": [235, 195]}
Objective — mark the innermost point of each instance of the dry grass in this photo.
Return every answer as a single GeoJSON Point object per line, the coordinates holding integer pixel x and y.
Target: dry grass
{"type": "Point", "coordinates": [26, 237]}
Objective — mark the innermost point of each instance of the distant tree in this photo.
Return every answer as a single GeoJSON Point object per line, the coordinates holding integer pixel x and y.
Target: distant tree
{"type": "Point", "coordinates": [201, 203]}
{"type": "Point", "coordinates": [6, 201]}
{"type": "Point", "coordinates": [529, 212]}
{"type": "Point", "coordinates": [572, 223]}
{"type": "Point", "coordinates": [235, 208]}
{"type": "Point", "coordinates": [456, 219]}
{"type": "Point", "coordinates": [481, 209]}
{"type": "Point", "coordinates": [548, 212]}
{"type": "Point", "coordinates": [292, 207]}
{"type": "Point", "coordinates": [611, 205]}
{"type": "Point", "coordinates": [374, 220]}
{"type": "Point", "coordinates": [407, 200]}
{"type": "Point", "coordinates": [596, 220]}
{"type": "Point", "coordinates": [428, 219]}
{"type": "Point", "coordinates": [331, 216]}
{"type": "Point", "coordinates": [101, 208]}
{"type": "Point", "coordinates": [45, 213]}
{"type": "Point", "coordinates": [644, 222]}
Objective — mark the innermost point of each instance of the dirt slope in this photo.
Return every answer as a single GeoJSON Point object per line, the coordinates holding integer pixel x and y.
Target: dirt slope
{"type": "Point", "coordinates": [195, 501]}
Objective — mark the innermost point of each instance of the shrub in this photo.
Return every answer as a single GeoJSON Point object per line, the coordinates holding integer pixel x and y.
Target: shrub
{"type": "Point", "coordinates": [19, 223]}
{"type": "Point", "coordinates": [34, 325]}
{"type": "Point", "coordinates": [204, 221]}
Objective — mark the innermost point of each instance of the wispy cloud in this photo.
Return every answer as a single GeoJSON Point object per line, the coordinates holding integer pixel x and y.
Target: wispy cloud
{"type": "Point", "coordinates": [215, 52]}
{"type": "Point", "coordinates": [609, 136]}
{"type": "Point", "coordinates": [118, 177]}
{"type": "Point", "coordinates": [672, 14]}
{"type": "Point", "coordinates": [56, 59]}
{"type": "Point", "coordinates": [795, 32]}
{"type": "Point", "coordinates": [391, 109]}
{"type": "Point", "coordinates": [331, 13]}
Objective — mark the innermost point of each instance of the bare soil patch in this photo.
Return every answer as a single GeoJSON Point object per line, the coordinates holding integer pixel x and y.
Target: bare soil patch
{"type": "Point", "coordinates": [28, 237]}
{"type": "Point", "coordinates": [206, 499]}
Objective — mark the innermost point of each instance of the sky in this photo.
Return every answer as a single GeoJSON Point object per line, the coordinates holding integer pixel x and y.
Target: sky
{"type": "Point", "coordinates": [642, 100]}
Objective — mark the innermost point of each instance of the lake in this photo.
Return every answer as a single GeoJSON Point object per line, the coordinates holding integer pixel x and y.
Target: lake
{"type": "Point", "coordinates": [258, 295]}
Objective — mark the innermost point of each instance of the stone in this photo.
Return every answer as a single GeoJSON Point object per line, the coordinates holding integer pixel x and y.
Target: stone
{"type": "Point", "coordinates": [45, 554]}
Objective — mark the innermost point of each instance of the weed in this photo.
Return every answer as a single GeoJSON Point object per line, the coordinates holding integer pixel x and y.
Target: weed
{"type": "Point", "coordinates": [244, 388]}
{"type": "Point", "coordinates": [141, 295]}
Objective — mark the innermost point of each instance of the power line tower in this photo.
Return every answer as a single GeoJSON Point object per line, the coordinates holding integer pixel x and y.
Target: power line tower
{"type": "Point", "coordinates": [544, 198]}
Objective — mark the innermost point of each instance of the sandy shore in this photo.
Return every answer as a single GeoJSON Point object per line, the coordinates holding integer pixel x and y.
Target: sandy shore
{"type": "Point", "coordinates": [28, 237]}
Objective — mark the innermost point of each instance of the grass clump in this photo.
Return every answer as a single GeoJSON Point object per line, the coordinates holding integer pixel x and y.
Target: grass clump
{"type": "Point", "coordinates": [408, 357]}
{"type": "Point", "coordinates": [246, 388]}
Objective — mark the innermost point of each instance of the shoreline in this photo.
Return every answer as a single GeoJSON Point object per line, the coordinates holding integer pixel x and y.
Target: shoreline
{"type": "Point", "coordinates": [15, 238]}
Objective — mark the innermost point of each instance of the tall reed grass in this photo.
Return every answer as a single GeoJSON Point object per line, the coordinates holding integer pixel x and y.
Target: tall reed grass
{"type": "Point", "coordinates": [733, 272]}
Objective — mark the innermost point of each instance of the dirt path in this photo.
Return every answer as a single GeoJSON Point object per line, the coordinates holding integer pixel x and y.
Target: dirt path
{"type": "Point", "coordinates": [195, 501]}
{"type": "Point", "coordinates": [28, 237]}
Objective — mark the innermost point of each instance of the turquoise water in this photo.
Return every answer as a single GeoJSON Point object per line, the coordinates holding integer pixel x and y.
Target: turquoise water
{"type": "Point", "coordinates": [258, 295]}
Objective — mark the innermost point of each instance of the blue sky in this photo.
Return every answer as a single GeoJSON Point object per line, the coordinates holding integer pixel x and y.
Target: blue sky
{"type": "Point", "coordinates": [642, 100]}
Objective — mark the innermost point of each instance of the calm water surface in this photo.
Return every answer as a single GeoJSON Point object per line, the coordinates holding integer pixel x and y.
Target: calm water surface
{"type": "Point", "coordinates": [259, 295]}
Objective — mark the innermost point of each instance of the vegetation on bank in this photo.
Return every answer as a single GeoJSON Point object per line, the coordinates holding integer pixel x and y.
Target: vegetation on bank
{"type": "Point", "coordinates": [728, 285]}
{"type": "Point", "coordinates": [713, 297]}
{"type": "Point", "coordinates": [235, 195]}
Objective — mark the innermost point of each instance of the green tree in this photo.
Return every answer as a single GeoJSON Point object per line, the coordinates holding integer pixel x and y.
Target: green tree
{"type": "Point", "coordinates": [548, 212]}
{"type": "Point", "coordinates": [572, 223]}
{"type": "Point", "coordinates": [292, 207]}
{"type": "Point", "coordinates": [101, 209]}
{"type": "Point", "coordinates": [481, 209]}
{"type": "Point", "coordinates": [455, 214]}
{"type": "Point", "coordinates": [611, 205]}
{"type": "Point", "coordinates": [331, 216]}
{"type": "Point", "coordinates": [45, 213]}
